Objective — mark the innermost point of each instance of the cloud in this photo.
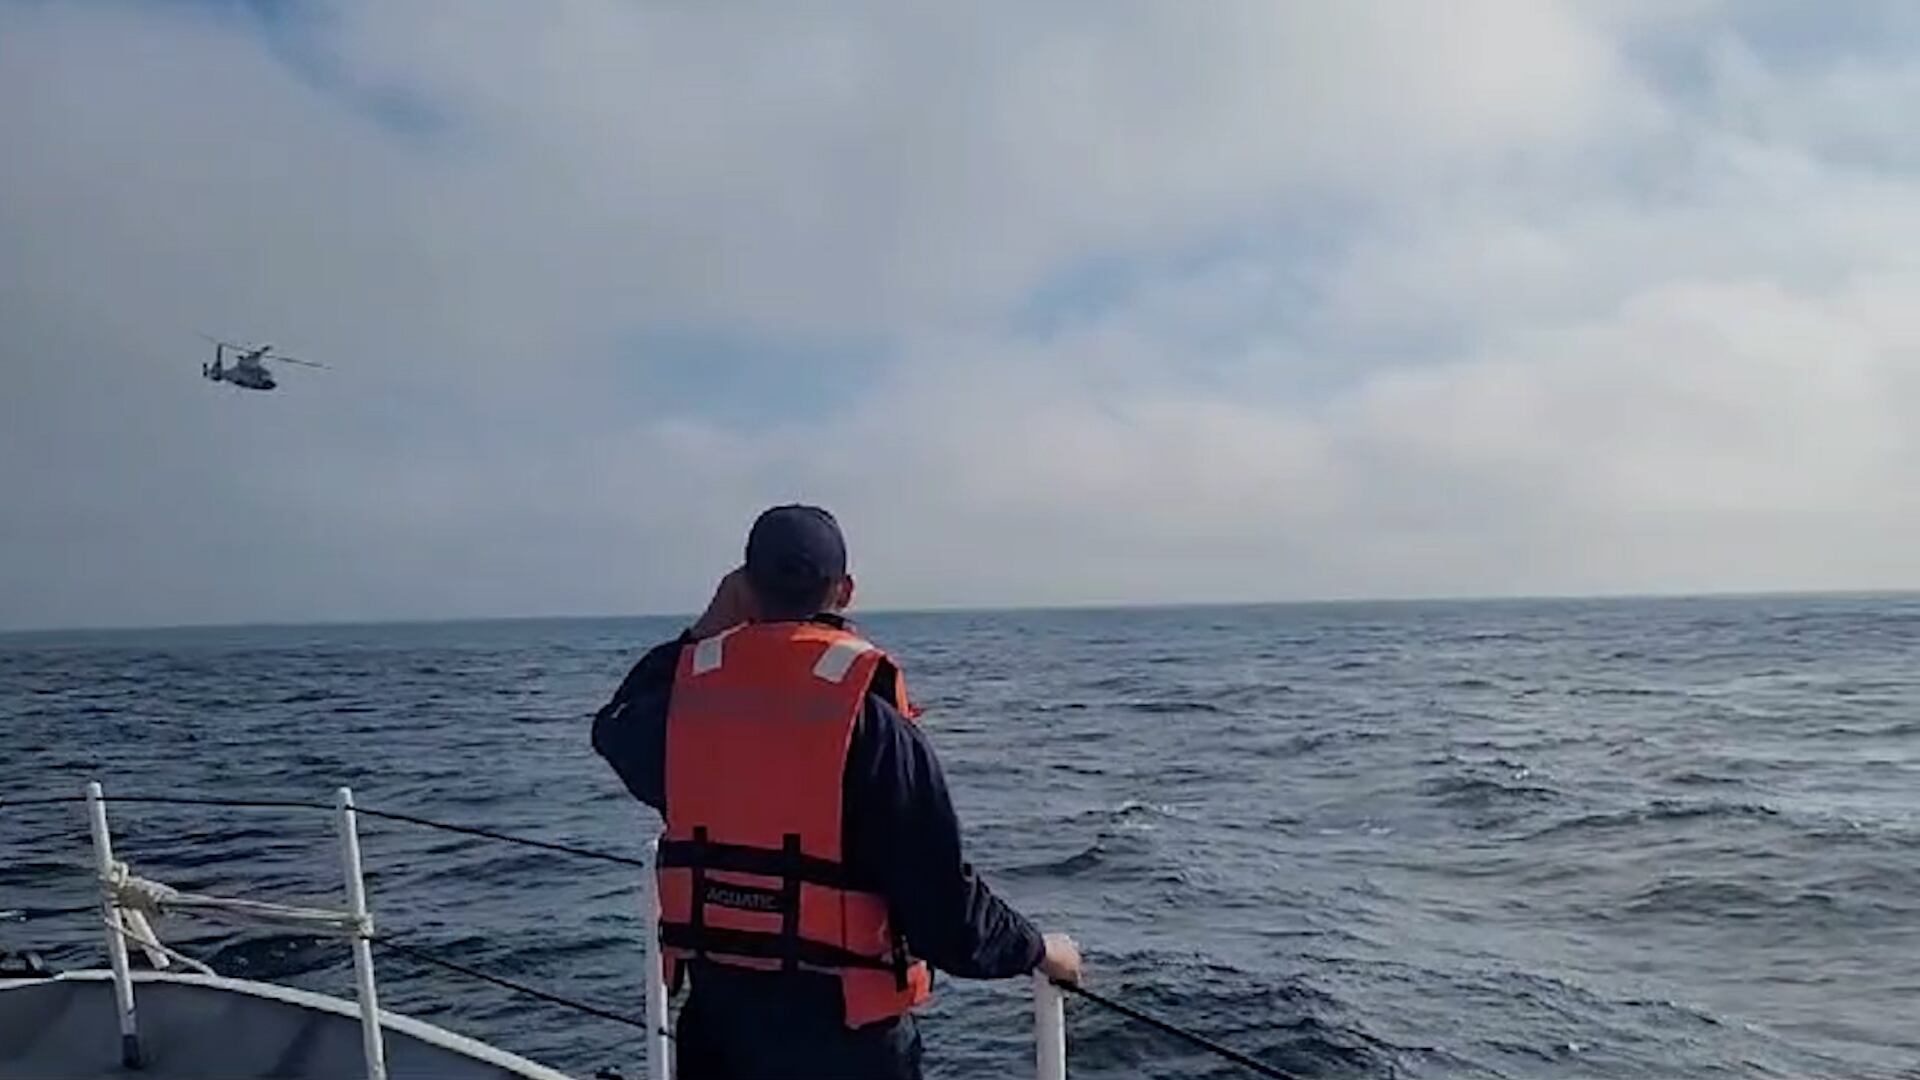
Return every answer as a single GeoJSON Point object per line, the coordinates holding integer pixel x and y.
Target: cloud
{"type": "Point", "coordinates": [1053, 305]}
{"type": "Point", "coordinates": [1729, 436]}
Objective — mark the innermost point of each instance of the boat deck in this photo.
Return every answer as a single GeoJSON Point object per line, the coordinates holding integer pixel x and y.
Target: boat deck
{"type": "Point", "coordinates": [66, 1028]}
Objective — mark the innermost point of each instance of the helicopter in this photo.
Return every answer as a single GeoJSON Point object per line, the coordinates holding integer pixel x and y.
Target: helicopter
{"type": "Point", "coordinates": [248, 370]}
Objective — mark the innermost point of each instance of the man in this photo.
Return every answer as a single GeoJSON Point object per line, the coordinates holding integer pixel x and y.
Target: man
{"type": "Point", "coordinates": [811, 871]}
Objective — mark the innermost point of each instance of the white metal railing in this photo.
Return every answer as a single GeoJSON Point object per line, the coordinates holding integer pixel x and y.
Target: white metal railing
{"type": "Point", "coordinates": [363, 987]}
{"type": "Point", "coordinates": [659, 1051]}
{"type": "Point", "coordinates": [122, 897]}
{"type": "Point", "coordinates": [1049, 1030]}
{"type": "Point", "coordinates": [116, 928]}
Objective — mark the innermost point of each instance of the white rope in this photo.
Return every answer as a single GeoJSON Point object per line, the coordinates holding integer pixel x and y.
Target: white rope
{"type": "Point", "coordinates": [134, 893]}
{"type": "Point", "coordinates": [151, 942]}
{"type": "Point", "coordinates": [139, 898]}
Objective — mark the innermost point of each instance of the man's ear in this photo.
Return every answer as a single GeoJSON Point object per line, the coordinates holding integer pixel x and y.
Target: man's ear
{"type": "Point", "coordinates": [843, 593]}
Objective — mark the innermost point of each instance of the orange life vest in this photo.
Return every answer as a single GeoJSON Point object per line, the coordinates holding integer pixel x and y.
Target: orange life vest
{"type": "Point", "coordinates": [750, 868]}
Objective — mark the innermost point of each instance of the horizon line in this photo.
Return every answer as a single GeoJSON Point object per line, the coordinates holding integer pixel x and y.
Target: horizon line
{"type": "Point", "coordinates": [991, 609]}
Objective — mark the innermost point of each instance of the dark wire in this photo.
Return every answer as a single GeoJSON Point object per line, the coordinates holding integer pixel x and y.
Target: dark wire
{"type": "Point", "coordinates": [385, 815]}
{"type": "Point", "coordinates": [181, 800]}
{"type": "Point", "coordinates": [468, 830]}
{"type": "Point", "coordinates": [1179, 1032]}
{"type": "Point", "coordinates": [508, 984]}
{"type": "Point", "coordinates": [32, 913]}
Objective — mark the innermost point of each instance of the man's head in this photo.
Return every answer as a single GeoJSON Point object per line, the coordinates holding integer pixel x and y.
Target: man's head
{"type": "Point", "coordinates": [797, 564]}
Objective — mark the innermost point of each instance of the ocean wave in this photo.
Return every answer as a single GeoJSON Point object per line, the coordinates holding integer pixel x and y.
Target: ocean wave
{"type": "Point", "coordinates": [1703, 897]}
{"type": "Point", "coordinates": [1697, 778]}
{"type": "Point", "coordinates": [308, 696]}
{"type": "Point", "coordinates": [1084, 861]}
{"type": "Point", "coordinates": [271, 957]}
{"type": "Point", "coordinates": [1479, 793]}
{"type": "Point", "coordinates": [1806, 907]}
{"type": "Point", "coordinates": [1286, 1023]}
{"type": "Point", "coordinates": [1312, 741]}
{"type": "Point", "coordinates": [1119, 854]}
{"type": "Point", "coordinates": [1624, 692]}
{"type": "Point", "coordinates": [1119, 683]}
{"type": "Point", "coordinates": [1888, 836]}
{"type": "Point", "coordinates": [1656, 812]}
{"type": "Point", "coordinates": [583, 948]}
{"type": "Point", "coordinates": [1044, 707]}
{"type": "Point", "coordinates": [1252, 693]}
{"type": "Point", "coordinates": [1454, 758]}
{"type": "Point", "coordinates": [16, 871]}
{"type": "Point", "coordinates": [513, 867]}
{"type": "Point", "coordinates": [1173, 707]}
{"type": "Point", "coordinates": [1125, 812]}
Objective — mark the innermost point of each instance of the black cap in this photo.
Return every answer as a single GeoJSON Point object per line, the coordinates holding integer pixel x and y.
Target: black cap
{"type": "Point", "coordinates": [795, 548]}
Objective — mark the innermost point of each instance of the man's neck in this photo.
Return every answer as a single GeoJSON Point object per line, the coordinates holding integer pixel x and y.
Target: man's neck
{"type": "Point", "coordinates": [834, 619]}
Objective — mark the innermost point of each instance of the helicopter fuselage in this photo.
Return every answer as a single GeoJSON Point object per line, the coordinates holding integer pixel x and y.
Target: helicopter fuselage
{"type": "Point", "coordinates": [247, 372]}
{"type": "Point", "coordinates": [249, 378]}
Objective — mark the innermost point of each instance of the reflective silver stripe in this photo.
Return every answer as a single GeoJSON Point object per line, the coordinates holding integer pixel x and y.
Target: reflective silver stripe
{"type": "Point", "coordinates": [839, 657]}
{"type": "Point", "coordinates": [707, 653]}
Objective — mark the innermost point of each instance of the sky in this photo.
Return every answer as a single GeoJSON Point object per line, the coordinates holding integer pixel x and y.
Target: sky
{"type": "Point", "coordinates": [1052, 304]}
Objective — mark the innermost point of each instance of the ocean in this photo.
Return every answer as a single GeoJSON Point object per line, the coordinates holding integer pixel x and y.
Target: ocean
{"type": "Point", "coordinates": [1620, 838]}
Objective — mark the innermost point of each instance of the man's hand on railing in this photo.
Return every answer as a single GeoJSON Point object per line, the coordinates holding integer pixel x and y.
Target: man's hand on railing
{"type": "Point", "coordinates": [1062, 960]}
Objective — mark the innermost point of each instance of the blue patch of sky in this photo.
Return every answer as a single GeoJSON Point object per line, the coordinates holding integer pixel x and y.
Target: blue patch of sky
{"type": "Point", "coordinates": [1291, 247]}
{"type": "Point", "coordinates": [737, 378]}
{"type": "Point", "coordinates": [1795, 35]}
{"type": "Point", "coordinates": [1269, 338]}
{"type": "Point", "coordinates": [1292, 256]}
{"type": "Point", "coordinates": [295, 32]}
{"type": "Point", "coordinates": [1796, 41]}
{"type": "Point", "coordinates": [1788, 36]}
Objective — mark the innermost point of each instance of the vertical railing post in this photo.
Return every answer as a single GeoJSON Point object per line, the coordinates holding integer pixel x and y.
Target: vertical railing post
{"type": "Point", "coordinates": [370, 1038]}
{"type": "Point", "coordinates": [116, 935]}
{"type": "Point", "coordinates": [1049, 1029]}
{"type": "Point", "coordinates": [659, 1065]}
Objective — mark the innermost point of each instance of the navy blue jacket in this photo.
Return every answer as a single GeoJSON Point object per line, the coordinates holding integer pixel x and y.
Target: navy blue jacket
{"type": "Point", "coordinates": [900, 839]}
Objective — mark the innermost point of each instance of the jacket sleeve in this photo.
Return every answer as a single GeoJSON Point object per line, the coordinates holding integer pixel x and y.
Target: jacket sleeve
{"type": "Point", "coordinates": [630, 731]}
{"type": "Point", "coordinates": [902, 832]}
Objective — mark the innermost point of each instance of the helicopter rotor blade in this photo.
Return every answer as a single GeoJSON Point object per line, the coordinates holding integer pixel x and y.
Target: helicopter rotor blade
{"type": "Point", "coordinates": [291, 360]}
{"type": "Point", "coordinates": [222, 341]}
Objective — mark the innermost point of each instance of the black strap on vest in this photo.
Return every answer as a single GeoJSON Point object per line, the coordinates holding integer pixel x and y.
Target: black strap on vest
{"type": "Point", "coordinates": [721, 942]}
{"type": "Point", "coordinates": [790, 903]}
{"type": "Point", "coordinates": [793, 868]}
{"type": "Point", "coordinates": [697, 908]}
{"type": "Point", "coordinates": [698, 854]}
{"type": "Point", "coordinates": [899, 958]}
